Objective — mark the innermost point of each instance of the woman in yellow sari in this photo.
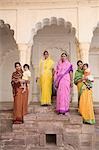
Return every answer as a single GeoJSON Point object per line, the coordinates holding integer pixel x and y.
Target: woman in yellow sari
{"type": "Point", "coordinates": [85, 99]}
{"type": "Point", "coordinates": [45, 73]}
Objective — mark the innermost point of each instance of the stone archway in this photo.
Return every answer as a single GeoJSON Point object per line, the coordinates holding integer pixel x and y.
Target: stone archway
{"type": "Point", "coordinates": [8, 55]}
{"type": "Point", "coordinates": [55, 35]}
{"type": "Point", "coordinates": [94, 61]}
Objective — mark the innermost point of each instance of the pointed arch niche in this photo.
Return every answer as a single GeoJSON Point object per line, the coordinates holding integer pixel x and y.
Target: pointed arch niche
{"type": "Point", "coordinates": [55, 35]}
{"type": "Point", "coordinates": [8, 55]}
{"type": "Point", "coordinates": [94, 61]}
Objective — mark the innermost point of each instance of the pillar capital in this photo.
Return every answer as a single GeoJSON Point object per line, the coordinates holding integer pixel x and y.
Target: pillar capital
{"type": "Point", "coordinates": [84, 47]}
{"type": "Point", "coordinates": [25, 53]}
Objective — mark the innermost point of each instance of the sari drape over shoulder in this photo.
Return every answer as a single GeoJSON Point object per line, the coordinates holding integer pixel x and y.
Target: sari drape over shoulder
{"type": "Point", "coordinates": [85, 99]}
{"type": "Point", "coordinates": [15, 81]}
{"type": "Point", "coordinates": [62, 84]}
{"type": "Point", "coordinates": [78, 75]}
{"type": "Point", "coordinates": [45, 71]}
{"type": "Point", "coordinates": [20, 99]}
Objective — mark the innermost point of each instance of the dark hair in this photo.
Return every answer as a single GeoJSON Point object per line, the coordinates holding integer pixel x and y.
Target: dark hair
{"type": "Point", "coordinates": [45, 52]}
{"type": "Point", "coordinates": [79, 61]}
{"type": "Point", "coordinates": [63, 54]}
{"type": "Point", "coordinates": [26, 65]}
{"type": "Point", "coordinates": [86, 65]}
{"type": "Point", "coordinates": [17, 63]}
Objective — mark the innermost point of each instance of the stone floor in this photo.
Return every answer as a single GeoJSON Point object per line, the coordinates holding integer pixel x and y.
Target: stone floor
{"type": "Point", "coordinates": [41, 122]}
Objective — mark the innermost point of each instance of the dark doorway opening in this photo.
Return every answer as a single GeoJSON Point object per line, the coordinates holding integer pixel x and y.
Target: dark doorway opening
{"type": "Point", "coordinates": [51, 139]}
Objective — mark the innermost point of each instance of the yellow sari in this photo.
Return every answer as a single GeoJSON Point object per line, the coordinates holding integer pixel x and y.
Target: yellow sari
{"type": "Point", "coordinates": [45, 68]}
{"type": "Point", "coordinates": [86, 103]}
{"type": "Point", "coordinates": [86, 106]}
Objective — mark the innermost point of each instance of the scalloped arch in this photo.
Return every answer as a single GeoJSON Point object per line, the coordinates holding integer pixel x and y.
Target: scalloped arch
{"type": "Point", "coordinates": [55, 35]}
{"type": "Point", "coordinates": [94, 46]}
{"type": "Point", "coordinates": [54, 21]}
{"type": "Point", "coordinates": [7, 41]}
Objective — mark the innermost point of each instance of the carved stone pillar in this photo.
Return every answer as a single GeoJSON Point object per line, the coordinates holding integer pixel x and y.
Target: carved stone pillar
{"type": "Point", "coordinates": [85, 52]}
{"type": "Point", "coordinates": [25, 53]}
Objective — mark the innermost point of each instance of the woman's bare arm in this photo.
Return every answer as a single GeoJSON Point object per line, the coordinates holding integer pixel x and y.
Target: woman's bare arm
{"type": "Point", "coordinates": [71, 78]}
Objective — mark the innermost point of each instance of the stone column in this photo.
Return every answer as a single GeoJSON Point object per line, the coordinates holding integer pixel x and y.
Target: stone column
{"type": "Point", "coordinates": [35, 86]}
{"type": "Point", "coordinates": [85, 52]}
{"type": "Point", "coordinates": [25, 53]}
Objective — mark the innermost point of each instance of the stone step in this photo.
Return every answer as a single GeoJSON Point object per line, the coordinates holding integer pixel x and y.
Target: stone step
{"type": "Point", "coordinates": [5, 121]}
{"type": "Point", "coordinates": [5, 125]}
{"type": "Point", "coordinates": [52, 117]}
{"type": "Point", "coordinates": [43, 114]}
{"type": "Point", "coordinates": [49, 123]}
{"type": "Point", "coordinates": [37, 108]}
{"type": "Point", "coordinates": [96, 110]}
{"type": "Point", "coordinates": [36, 140]}
{"type": "Point", "coordinates": [69, 130]}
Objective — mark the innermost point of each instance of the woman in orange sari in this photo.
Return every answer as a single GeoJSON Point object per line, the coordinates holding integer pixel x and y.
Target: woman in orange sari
{"type": "Point", "coordinates": [20, 98]}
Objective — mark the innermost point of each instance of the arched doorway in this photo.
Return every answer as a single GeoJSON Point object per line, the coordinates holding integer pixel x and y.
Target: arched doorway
{"type": "Point", "coordinates": [8, 55]}
{"type": "Point", "coordinates": [94, 61]}
{"type": "Point", "coordinates": [56, 36]}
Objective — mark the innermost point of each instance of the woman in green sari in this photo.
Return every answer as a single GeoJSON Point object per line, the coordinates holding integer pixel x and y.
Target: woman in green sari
{"type": "Point", "coordinates": [78, 78]}
{"type": "Point", "coordinates": [85, 99]}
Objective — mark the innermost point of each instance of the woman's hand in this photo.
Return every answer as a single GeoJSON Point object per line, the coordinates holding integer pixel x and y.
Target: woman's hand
{"type": "Point", "coordinates": [71, 84]}
{"type": "Point", "coordinates": [71, 79]}
{"type": "Point", "coordinates": [20, 80]}
{"type": "Point", "coordinates": [84, 78]}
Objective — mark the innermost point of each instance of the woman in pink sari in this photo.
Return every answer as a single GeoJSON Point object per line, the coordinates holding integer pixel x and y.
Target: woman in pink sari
{"type": "Point", "coordinates": [63, 83]}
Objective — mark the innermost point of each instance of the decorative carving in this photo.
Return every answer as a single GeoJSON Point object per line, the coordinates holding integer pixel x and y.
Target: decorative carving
{"type": "Point", "coordinates": [8, 26]}
{"type": "Point", "coordinates": [67, 26]}
{"type": "Point", "coordinates": [7, 41]}
{"type": "Point", "coordinates": [95, 39]}
{"type": "Point", "coordinates": [46, 22]}
{"type": "Point", "coordinates": [53, 20]}
{"type": "Point", "coordinates": [1, 23]}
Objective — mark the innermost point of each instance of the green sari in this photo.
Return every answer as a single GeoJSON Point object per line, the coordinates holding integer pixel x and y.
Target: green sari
{"type": "Point", "coordinates": [78, 75]}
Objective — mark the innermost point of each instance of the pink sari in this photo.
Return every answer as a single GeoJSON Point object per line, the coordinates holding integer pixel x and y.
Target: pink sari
{"type": "Point", "coordinates": [62, 83]}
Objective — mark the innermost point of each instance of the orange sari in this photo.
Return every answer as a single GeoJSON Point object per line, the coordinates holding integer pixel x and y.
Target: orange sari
{"type": "Point", "coordinates": [20, 99]}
